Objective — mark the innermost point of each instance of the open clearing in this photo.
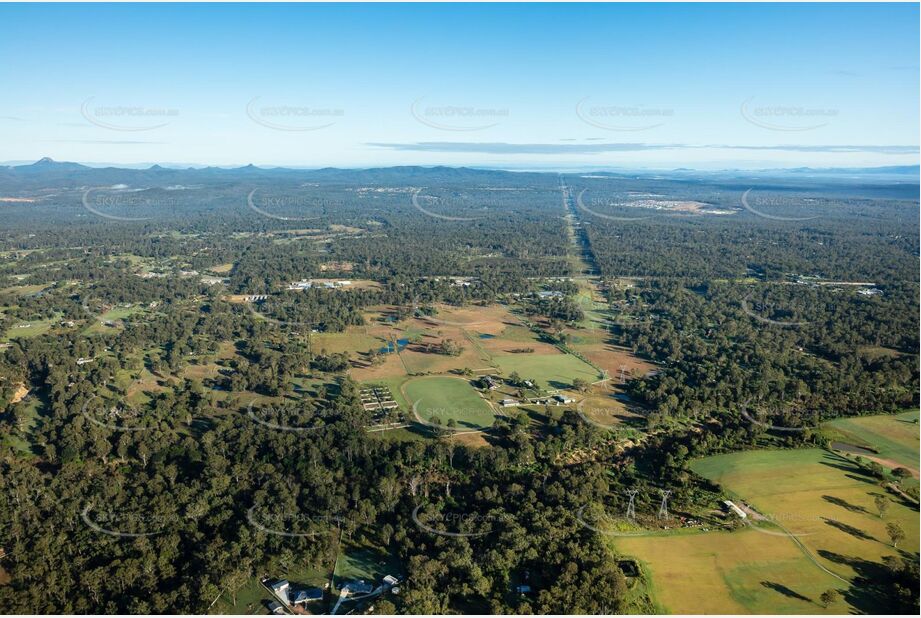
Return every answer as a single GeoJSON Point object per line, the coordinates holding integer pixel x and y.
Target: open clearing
{"type": "Point", "coordinates": [449, 398]}
{"type": "Point", "coordinates": [730, 573]}
{"type": "Point", "coordinates": [894, 438]}
{"type": "Point", "coordinates": [823, 498]}
{"type": "Point", "coordinates": [553, 371]}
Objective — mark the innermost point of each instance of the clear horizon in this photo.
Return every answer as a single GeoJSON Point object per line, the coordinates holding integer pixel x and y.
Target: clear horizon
{"type": "Point", "coordinates": [495, 86]}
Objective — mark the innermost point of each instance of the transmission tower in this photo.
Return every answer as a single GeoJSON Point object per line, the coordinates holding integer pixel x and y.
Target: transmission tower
{"type": "Point", "coordinates": [631, 507]}
{"type": "Point", "coordinates": [623, 368]}
{"type": "Point", "coordinates": [663, 508]}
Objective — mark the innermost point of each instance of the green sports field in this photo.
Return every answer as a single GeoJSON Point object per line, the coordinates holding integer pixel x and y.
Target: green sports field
{"type": "Point", "coordinates": [449, 398]}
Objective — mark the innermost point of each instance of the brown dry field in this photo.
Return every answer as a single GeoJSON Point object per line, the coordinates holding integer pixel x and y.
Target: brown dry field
{"type": "Point", "coordinates": [475, 440]}
{"type": "Point", "coordinates": [392, 367]}
{"type": "Point", "coordinates": [611, 358]}
{"type": "Point", "coordinates": [601, 406]}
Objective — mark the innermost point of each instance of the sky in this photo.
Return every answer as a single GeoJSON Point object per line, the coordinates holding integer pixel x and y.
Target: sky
{"type": "Point", "coordinates": [540, 86]}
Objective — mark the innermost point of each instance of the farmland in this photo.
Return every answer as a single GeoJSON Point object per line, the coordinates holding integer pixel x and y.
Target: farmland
{"type": "Point", "coordinates": [743, 572]}
{"type": "Point", "coordinates": [894, 439]}
{"type": "Point", "coordinates": [823, 499]}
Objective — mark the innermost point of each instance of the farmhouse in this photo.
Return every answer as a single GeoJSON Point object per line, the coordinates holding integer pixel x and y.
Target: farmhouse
{"type": "Point", "coordinates": [489, 382]}
{"type": "Point", "coordinates": [306, 595]}
{"type": "Point", "coordinates": [358, 586]}
{"type": "Point", "coordinates": [280, 588]}
{"type": "Point", "coordinates": [563, 399]}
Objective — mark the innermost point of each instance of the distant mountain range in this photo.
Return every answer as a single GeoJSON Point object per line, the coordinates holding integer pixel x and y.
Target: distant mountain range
{"type": "Point", "coordinates": [48, 172]}
{"type": "Point", "coordinates": [47, 163]}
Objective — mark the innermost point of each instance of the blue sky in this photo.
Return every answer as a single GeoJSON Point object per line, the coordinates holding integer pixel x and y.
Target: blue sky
{"type": "Point", "coordinates": [535, 86]}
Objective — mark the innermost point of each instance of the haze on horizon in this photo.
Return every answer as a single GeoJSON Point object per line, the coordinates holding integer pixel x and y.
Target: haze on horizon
{"type": "Point", "coordinates": [538, 87]}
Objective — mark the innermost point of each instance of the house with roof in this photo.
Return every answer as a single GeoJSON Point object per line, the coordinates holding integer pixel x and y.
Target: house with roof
{"type": "Point", "coordinates": [275, 607]}
{"type": "Point", "coordinates": [390, 581]}
{"type": "Point", "coordinates": [280, 588]}
{"type": "Point", "coordinates": [358, 587]}
{"type": "Point", "coordinates": [306, 595]}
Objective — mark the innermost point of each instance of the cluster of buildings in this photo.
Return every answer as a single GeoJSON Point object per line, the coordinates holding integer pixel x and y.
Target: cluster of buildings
{"type": "Point", "coordinates": [288, 596]}
{"type": "Point", "coordinates": [377, 399]}
{"type": "Point", "coordinates": [553, 400]}
{"type": "Point", "coordinates": [306, 284]}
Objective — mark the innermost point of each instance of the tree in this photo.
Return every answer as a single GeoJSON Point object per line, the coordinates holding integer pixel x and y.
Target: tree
{"type": "Point", "coordinates": [829, 596]}
{"type": "Point", "coordinates": [895, 532]}
{"type": "Point", "coordinates": [581, 385]}
{"type": "Point", "coordinates": [882, 505]}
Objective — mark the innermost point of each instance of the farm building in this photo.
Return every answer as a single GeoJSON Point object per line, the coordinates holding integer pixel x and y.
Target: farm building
{"type": "Point", "coordinates": [275, 607]}
{"type": "Point", "coordinates": [509, 403]}
{"type": "Point", "coordinates": [732, 507]}
{"type": "Point", "coordinates": [390, 581]}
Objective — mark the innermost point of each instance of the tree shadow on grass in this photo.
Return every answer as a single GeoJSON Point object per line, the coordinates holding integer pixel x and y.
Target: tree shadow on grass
{"type": "Point", "coordinates": [854, 508]}
{"type": "Point", "coordinates": [787, 592]}
{"type": "Point", "coordinates": [867, 592]}
{"type": "Point", "coordinates": [848, 529]}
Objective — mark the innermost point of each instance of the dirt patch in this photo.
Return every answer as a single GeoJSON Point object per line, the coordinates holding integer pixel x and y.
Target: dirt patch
{"type": "Point", "coordinates": [20, 393]}
{"type": "Point", "coordinates": [474, 440]}
{"type": "Point", "coordinates": [891, 464]}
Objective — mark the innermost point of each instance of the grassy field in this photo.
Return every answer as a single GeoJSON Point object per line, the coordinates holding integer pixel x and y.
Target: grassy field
{"type": "Point", "coordinates": [730, 573]}
{"type": "Point", "coordinates": [253, 598]}
{"type": "Point", "coordinates": [895, 438]}
{"type": "Point", "coordinates": [113, 315]}
{"type": "Point", "coordinates": [547, 370]}
{"type": "Point", "coordinates": [362, 562]}
{"type": "Point", "coordinates": [608, 406]}
{"type": "Point", "coordinates": [824, 499]}
{"type": "Point", "coordinates": [28, 328]}
{"type": "Point", "coordinates": [449, 398]}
